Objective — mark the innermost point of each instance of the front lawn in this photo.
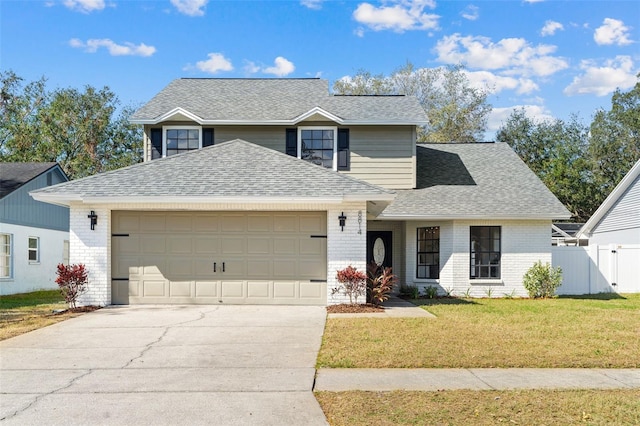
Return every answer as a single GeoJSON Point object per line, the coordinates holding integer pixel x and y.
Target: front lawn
{"type": "Point", "coordinates": [598, 331]}
{"type": "Point", "coordinates": [21, 313]}
{"type": "Point", "coordinates": [466, 407]}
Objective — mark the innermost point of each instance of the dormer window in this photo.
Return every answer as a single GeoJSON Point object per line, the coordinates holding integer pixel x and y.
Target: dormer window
{"type": "Point", "coordinates": [171, 140]}
{"type": "Point", "coordinates": [325, 146]}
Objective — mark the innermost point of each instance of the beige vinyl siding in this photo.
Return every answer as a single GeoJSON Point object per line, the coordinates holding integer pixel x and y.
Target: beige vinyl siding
{"type": "Point", "coordinates": [382, 155]}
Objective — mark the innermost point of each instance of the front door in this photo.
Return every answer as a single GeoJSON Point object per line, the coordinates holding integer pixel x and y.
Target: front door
{"type": "Point", "coordinates": [379, 248]}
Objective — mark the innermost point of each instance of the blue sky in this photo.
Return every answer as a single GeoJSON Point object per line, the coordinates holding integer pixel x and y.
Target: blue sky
{"type": "Point", "coordinates": [552, 57]}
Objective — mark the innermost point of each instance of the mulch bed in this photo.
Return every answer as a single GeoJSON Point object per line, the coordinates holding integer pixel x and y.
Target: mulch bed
{"type": "Point", "coordinates": [354, 308]}
{"type": "Point", "coordinates": [79, 309]}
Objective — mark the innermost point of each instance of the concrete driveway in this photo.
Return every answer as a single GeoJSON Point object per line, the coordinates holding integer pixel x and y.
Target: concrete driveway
{"type": "Point", "coordinates": [223, 365]}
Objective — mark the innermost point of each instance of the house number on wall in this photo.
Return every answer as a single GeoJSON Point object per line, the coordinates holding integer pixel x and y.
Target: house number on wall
{"type": "Point", "coordinates": [378, 251]}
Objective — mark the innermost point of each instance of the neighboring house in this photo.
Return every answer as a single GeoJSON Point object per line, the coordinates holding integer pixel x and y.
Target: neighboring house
{"type": "Point", "coordinates": [34, 236]}
{"type": "Point", "coordinates": [612, 259]}
{"type": "Point", "coordinates": [259, 190]}
{"type": "Point", "coordinates": [564, 234]}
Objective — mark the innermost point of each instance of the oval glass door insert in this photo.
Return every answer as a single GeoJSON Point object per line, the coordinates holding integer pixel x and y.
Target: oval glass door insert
{"type": "Point", "coordinates": [378, 251]}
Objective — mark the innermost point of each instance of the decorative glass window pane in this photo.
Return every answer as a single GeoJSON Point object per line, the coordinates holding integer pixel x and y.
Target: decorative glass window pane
{"type": "Point", "coordinates": [181, 140]}
{"type": "Point", "coordinates": [428, 253]}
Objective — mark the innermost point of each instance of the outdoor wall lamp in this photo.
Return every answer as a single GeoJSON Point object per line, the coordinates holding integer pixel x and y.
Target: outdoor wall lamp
{"type": "Point", "coordinates": [342, 218]}
{"type": "Point", "coordinates": [94, 220]}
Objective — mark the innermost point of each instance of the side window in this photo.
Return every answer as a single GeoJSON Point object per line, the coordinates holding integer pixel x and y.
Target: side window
{"type": "Point", "coordinates": [428, 254]}
{"type": "Point", "coordinates": [6, 252]}
{"type": "Point", "coordinates": [34, 250]}
{"type": "Point", "coordinates": [485, 251]}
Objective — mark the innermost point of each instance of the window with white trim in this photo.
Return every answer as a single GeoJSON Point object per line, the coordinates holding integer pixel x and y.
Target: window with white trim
{"type": "Point", "coordinates": [485, 252]}
{"type": "Point", "coordinates": [34, 250]}
{"type": "Point", "coordinates": [6, 251]}
{"type": "Point", "coordinates": [178, 139]}
{"type": "Point", "coordinates": [318, 145]}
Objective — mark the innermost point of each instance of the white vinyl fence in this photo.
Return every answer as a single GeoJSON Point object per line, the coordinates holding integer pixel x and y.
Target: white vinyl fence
{"type": "Point", "coordinates": [598, 269]}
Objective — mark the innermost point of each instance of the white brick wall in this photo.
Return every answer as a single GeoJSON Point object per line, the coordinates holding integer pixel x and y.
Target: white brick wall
{"type": "Point", "coordinates": [523, 242]}
{"type": "Point", "coordinates": [93, 248]}
{"type": "Point", "coordinates": [345, 248]}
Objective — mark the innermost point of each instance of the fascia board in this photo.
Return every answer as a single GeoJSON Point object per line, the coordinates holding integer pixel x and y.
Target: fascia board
{"type": "Point", "coordinates": [370, 197]}
{"type": "Point", "coordinates": [320, 111]}
{"type": "Point", "coordinates": [60, 200]}
{"type": "Point", "coordinates": [152, 121]}
{"type": "Point", "coordinates": [471, 217]}
{"type": "Point", "coordinates": [204, 200]}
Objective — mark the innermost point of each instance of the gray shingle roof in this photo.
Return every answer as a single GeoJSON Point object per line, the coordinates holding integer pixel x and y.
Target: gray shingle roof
{"type": "Point", "coordinates": [14, 175]}
{"type": "Point", "coordinates": [268, 100]}
{"type": "Point", "coordinates": [231, 169]}
{"type": "Point", "coordinates": [485, 180]}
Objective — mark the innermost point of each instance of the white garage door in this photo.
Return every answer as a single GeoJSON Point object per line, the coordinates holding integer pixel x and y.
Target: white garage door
{"type": "Point", "coordinates": [219, 257]}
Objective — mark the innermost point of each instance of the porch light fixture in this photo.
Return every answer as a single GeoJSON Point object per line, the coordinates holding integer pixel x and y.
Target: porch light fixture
{"type": "Point", "coordinates": [342, 218]}
{"type": "Point", "coordinates": [94, 220]}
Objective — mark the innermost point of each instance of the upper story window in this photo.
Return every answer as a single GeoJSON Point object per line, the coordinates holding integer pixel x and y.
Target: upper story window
{"type": "Point", "coordinates": [325, 146]}
{"type": "Point", "coordinates": [485, 252]}
{"type": "Point", "coordinates": [5, 256]}
{"type": "Point", "coordinates": [171, 140]}
{"type": "Point", "coordinates": [34, 249]}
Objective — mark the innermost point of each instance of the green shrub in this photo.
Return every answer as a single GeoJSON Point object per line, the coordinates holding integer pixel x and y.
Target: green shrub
{"type": "Point", "coordinates": [431, 292]}
{"type": "Point", "coordinates": [542, 280]}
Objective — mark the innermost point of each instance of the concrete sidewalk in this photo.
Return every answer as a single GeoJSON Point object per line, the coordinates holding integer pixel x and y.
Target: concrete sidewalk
{"type": "Point", "coordinates": [424, 379]}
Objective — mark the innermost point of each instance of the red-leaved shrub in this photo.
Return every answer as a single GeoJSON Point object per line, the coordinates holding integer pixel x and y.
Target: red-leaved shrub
{"type": "Point", "coordinates": [72, 280]}
{"type": "Point", "coordinates": [354, 283]}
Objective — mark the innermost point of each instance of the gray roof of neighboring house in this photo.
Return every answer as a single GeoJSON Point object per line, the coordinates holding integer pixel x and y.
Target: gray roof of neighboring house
{"type": "Point", "coordinates": [474, 180]}
{"type": "Point", "coordinates": [15, 175]}
{"type": "Point", "coordinates": [273, 101]}
{"type": "Point", "coordinates": [236, 169]}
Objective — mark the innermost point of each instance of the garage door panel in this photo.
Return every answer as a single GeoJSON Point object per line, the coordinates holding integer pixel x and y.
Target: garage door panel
{"type": "Point", "coordinates": [233, 289]}
{"type": "Point", "coordinates": [152, 222]}
{"type": "Point", "coordinates": [285, 223]}
{"type": "Point", "coordinates": [258, 289]}
{"type": "Point", "coordinates": [206, 245]}
{"type": "Point", "coordinates": [178, 223]}
{"type": "Point", "coordinates": [152, 244]}
{"type": "Point", "coordinates": [153, 288]}
{"type": "Point", "coordinates": [284, 289]}
{"type": "Point", "coordinates": [231, 245]}
{"type": "Point", "coordinates": [179, 288]}
{"type": "Point", "coordinates": [259, 223]}
{"type": "Point", "coordinates": [258, 245]}
{"type": "Point", "coordinates": [286, 246]}
{"type": "Point", "coordinates": [179, 245]}
{"type": "Point", "coordinates": [267, 257]}
{"type": "Point", "coordinates": [233, 223]}
{"type": "Point", "coordinates": [206, 288]}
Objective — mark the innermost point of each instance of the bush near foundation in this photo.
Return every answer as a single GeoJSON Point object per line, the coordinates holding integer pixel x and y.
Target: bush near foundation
{"type": "Point", "coordinates": [542, 281]}
{"type": "Point", "coordinates": [72, 281]}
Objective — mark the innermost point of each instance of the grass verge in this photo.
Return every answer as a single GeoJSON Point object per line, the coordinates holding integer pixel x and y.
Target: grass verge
{"type": "Point", "coordinates": [458, 407]}
{"type": "Point", "coordinates": [21, 313]}
{"type": "Point", "coordinates": [596, 332]}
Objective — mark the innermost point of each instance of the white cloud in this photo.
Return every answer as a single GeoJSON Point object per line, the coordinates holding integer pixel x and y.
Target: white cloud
{"type": "Point", "coordinates": [612, 31]}
{"type": "Point", "coordinates": [126, 49]}
{"type": "Point", "coordinates": [603, 80]}
{"type": "Point", "coordinates": [550, 28]}
{"type": "Point", "coordinates": [471, 12]}
{"type": "Point", "coordinates": [497, 83]}
{"type": "Point", "coordinates": [85, 6]}
{"type": "Point", "coordinates": [533, 1]}
{"type": "Point", "coordinates": [216, 63]}
{"type": "Point", "coordinates": [190, 7]}
{"type": "Point", "coordinates": [399, 16]}
{"type": "Point", "coordinates": [499, 116]}
{"type": "Point", "coordinates": [514, 55]}
{"type": "Point", "coordinates": [312, 4]}
{"type": "Point", "coordinates": [250, 67]}
{"type": "Point", "coordinates": [281, 68]}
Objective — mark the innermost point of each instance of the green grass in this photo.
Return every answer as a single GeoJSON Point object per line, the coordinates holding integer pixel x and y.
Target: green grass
{"type": "Point", "coordinates": [597, 332]}
{"type": "Point", "coordinates": [467, 407]}
{"type": "Point", "coordinates": [21, 313]}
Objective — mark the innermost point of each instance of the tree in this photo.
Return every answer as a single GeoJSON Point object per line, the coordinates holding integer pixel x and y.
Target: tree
{"type": "Point", "coordinates": [615, 139]}
{"type": "Point", "coordinates": [77, 128]}
{"type": "Point", "coordinates": [456, 111]}
{"type": "Point", "coordinates": [557, 152]}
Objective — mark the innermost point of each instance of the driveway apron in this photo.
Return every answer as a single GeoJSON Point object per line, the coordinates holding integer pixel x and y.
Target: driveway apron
{"type": "Point", "coordinates": [223, 365]}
